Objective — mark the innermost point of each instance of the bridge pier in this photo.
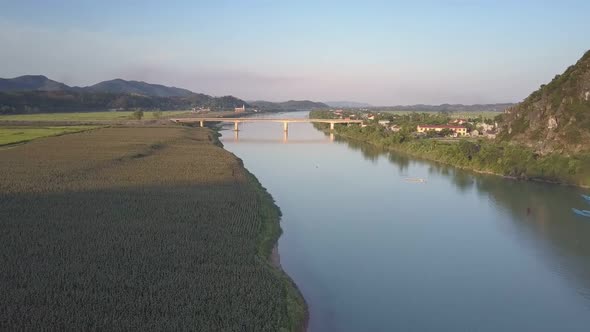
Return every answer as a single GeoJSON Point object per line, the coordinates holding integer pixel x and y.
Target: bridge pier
{"type": "Point", "coordinates": [331, 125]}
{"type": "Point", "coordinates": [285, 126]}
{"type": "Point", "coordinates": [202, 123]}
{"type": "Point", "coordinates": [236, 126]}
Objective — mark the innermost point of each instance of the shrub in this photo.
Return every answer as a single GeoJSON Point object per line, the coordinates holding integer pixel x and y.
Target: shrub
{"type": "Point", "coordinates": [137, 115]}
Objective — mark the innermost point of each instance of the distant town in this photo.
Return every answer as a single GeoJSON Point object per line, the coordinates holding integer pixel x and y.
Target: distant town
{"type": "Point", "coordinates": [445, 125]}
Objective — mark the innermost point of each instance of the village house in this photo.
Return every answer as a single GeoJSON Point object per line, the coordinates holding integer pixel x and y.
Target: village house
{"type": "Point", "coordinates": [458, 130]}
{"type": "Point", "coordinates": [200, 110]}
{"type": "Point", "coordinates": [395, 128]}
{"type": "Point", "coordinates": [240, 109]}
{"type": "Point", "coordinates": [485, 127]}
{"type": "Point", "coordinates": [458, 121]}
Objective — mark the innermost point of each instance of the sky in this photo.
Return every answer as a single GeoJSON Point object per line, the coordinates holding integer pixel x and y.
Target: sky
{"type": "Point", "coordinates": [379, 52]}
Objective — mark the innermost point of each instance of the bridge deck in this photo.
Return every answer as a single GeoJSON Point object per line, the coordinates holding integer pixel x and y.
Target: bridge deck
{"type": "Point", "coordinates": [287, 120]}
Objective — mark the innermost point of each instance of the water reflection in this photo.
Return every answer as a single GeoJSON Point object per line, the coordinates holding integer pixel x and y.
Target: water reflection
{"type": "Point", "coordinates": [401, 161]}
{"type": "Point", "coordinates": [541, 212]}
{"type": "Point", "coordinates": [369, 152]}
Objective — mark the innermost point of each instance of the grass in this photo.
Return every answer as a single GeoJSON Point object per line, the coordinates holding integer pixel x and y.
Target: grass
{"type": "Point", "coordinates": [138, 229]}
{"type": "Point", "coordinates": [13, 135]}
{"type": "Point", "coordinates": [83, 116]}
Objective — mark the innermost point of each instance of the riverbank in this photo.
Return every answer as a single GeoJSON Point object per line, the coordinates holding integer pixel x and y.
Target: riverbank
{"type": "Point", "coordinates": [268, 248]}
{"type": "Point", "coordinates": [270, 214]}
{"type": "Point", "coordinates": [150, 228]}
{"type": "Point", "coordinates": [518, 163]}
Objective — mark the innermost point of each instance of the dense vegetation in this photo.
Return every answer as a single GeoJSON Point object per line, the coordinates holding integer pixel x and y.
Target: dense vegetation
{"type": "Point", "coordinates": [480, 155]}
{"type": "Point", "coordinates": [138, 229]}
{"type": "Point", "coordinates": [556, 117]}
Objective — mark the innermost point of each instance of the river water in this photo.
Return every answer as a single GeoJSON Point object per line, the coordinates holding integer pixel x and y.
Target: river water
{"type": "Point", "coordinates": [371, 251]}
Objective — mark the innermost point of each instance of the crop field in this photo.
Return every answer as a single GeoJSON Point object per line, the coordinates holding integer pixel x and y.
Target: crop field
{"type": "Point", "coordinates": [13, 135]}
{"type": "Point", "coordinates": [83, 116]}
{"type": "Point", "coordinates": [138, 229]}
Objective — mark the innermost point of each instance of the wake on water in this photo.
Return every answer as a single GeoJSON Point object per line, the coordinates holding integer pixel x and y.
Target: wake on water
{"type": "Point", "coordinates": [583, 213]}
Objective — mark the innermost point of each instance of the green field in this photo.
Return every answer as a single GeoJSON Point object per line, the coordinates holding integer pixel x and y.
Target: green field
{"type": "Point", "coordinates": [86, 116]}
{"type": "Point", "coordinates": [146, 228]}
{"type": "Point", "coordinates": [13, 135]}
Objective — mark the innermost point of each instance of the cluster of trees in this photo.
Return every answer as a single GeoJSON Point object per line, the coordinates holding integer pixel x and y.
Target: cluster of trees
{"type": "Point", "coordinates": [138, 114]}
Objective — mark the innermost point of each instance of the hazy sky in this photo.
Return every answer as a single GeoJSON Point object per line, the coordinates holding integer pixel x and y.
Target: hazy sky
{"type": "Point", "coordinates": [380, 52]}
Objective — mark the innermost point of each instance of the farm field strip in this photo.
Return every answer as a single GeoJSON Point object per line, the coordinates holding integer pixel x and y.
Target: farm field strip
{"type": "Point", "coordinates": [84, 116]}
{"type": "Point", "coordinates": [13, 135]}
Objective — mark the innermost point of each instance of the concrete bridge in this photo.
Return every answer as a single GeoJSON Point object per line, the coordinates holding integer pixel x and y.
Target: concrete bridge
{"type": "Point", "coordinates": [285, 122]}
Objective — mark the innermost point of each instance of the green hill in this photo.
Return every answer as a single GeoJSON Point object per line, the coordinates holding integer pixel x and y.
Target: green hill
{"type": "Point", "coordinates": [31, 83]}
{"type": "Point", "coordinates": [137, 87]}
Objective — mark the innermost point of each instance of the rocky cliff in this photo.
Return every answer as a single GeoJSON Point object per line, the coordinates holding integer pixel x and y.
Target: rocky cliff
{"type": "Point", "coordinates": [555, 118]}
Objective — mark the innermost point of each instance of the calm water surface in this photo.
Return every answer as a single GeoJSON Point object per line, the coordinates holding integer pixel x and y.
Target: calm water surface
{"type": "Point", "coordinates": [462, 252]}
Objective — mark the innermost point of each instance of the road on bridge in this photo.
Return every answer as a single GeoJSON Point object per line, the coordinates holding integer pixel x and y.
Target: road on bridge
{"type": "Point", "coordinates": [285, 121]}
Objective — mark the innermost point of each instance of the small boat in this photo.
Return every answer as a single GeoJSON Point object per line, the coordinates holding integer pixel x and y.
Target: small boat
{"type": "Point", "coordinates": [418, 180]}
{"type": "Point", "coordinates": [584, 213]}
{"type": "Point", "coordinates": [586, 197]}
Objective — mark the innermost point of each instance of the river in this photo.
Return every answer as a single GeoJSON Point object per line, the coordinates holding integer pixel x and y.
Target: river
{"type": "Point", "coordinates": [371, 251]}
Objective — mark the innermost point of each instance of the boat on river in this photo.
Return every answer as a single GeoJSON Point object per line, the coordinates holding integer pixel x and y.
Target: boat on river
{"type": "Point", "coordinates": [586, 197]}
{"type": "Point", "coordinates": [416, 180]}
{"type": "Point", "coordinates": [583, 213]}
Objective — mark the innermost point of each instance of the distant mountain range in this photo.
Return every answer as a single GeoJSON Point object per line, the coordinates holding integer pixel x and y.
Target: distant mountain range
{"type": "Point", "coordinates": [347, 104]}
{"type": "Point", "coordinates": [42, 83]}
{"type": "Point", "coordinates": [37, 93]}
{"type": "Point", "coordinates": [140, 88]}
{"type": "Point", "coordinates": [291, 105]}
{"type": "Point", "coordinates": [448, 108]}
